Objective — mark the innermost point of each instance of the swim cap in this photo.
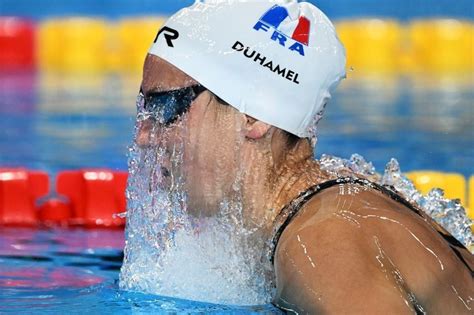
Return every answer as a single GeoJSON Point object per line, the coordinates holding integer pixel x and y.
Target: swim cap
{"type": "Point", "coordinates": [276, 61]}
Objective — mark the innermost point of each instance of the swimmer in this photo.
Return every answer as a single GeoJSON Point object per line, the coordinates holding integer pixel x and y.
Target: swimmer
{"type": "Point", "coordinates": [249, 80]}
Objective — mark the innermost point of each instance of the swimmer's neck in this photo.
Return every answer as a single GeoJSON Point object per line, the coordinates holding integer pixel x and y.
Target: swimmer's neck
{"type": "Point", "coordinates": [269, 189]}
{"type": "Point", "coordinates": [298, 172]}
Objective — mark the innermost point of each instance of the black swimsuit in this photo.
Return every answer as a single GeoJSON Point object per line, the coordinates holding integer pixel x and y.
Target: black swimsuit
{"type": "Point", "coordinates": [291, 210]}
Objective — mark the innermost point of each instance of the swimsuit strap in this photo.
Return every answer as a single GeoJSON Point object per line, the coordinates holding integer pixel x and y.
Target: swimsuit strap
{"type": "Point", "coordinates": [286, 215]}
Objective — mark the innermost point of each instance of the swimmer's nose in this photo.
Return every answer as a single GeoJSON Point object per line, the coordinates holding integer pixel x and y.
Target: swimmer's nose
{"type": "Point", "coordinates": [147, 134]}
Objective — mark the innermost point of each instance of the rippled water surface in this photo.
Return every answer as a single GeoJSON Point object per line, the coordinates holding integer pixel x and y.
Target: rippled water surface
{"type": "Point", "coordinates": [75, 271]}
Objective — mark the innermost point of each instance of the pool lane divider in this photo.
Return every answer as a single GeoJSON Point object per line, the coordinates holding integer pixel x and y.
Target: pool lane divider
{"type": "Point", "coordinates": [17, 44]}
{"type": "Point", "coordinates": [83, 198]}
{"type": "Point", "coordinates": [454, 185]}
{"type": "Point", "coordinates": [96, 45]}
{"type": "Point", "coordinates": [94, 198]}
{"type": "Point", "coordinates": [19, 189]}
{"type": "Point", "coordinates": [470, 210]}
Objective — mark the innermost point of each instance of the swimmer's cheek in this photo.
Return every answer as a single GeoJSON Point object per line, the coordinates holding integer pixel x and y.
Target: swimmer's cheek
{"type": "Point", "coordinates": [142, 139]}
{"type": "Point", "coordinates": [144, 135]}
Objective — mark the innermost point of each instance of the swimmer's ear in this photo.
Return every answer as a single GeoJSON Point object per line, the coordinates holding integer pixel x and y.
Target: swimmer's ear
{"type": "Point", "coordinates": [255, 129]}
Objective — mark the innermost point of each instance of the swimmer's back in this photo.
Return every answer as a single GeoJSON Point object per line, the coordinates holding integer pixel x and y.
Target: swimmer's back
{"type": "Point", "coordinates": [353, 249]}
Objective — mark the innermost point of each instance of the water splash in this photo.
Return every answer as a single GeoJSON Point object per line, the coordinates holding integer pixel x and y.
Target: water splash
{"type": "Point", "coordinates": [448, 213]}
{"type": "Point", "coordinates": [172, 250]}
{"type": "Point", "coordinates": [313, 127]}
{"type": "Point", "coordinates": [356, 165]}
{"type": "Point", "coordinates": [172, 253]}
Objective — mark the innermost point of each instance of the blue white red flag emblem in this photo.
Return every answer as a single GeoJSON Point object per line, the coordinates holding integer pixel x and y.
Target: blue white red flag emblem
{"type": "Point", "coordinates": [293, 37]}
{"type": "Point", "coordinates": [277, 14]}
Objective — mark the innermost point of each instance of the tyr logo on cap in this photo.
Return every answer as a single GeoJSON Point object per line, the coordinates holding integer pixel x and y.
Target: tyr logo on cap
{"type": "Point", "coordinates": [273, 19]}
{"type": "Point", "coordinates": [170, 35]}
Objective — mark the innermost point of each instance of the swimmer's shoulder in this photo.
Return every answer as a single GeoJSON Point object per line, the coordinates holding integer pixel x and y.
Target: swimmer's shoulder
{"type": "Point", "coordinates": [363, 206]}
{"type": "Point", "coordinates": [325, 263]}
{"type": "Point", "coordinates": [356, 232]}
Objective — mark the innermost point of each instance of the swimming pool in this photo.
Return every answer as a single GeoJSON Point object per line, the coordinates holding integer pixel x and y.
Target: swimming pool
{"type": "Point", "coordinates": [55, 122]}
{"type": "Point", "coordinates": [75, 271]}
{"type": "Point", "coordinates": [60, 121]}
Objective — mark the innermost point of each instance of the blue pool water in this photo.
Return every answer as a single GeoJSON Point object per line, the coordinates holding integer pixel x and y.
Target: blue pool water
{"type": "Point", "coordinates": [76, 271]}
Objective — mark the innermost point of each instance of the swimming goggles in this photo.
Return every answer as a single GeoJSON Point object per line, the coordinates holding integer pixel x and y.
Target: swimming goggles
{"type": "Point", "coordinates": [168, 106]}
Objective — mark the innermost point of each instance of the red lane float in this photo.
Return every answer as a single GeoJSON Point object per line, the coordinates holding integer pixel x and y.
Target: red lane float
{"type": "Point", "coordinates": [90, 198]}
{"type": "Point", "coordinates": [55, 212]}
{"type": "Point", "coordinates": [96, 196]}
{"type": "Point", "coordinates": [17, 44]}
{"type": "Point", "coordinates": [19, 191]}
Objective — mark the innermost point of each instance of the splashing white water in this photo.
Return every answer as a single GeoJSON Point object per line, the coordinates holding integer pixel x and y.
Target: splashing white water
{"type": "Point", "coordinates": [201, 259]}
{"type": "Point", "coordinates": [175, 251]}
{"type": "Point", "coordinates": [448, 213]}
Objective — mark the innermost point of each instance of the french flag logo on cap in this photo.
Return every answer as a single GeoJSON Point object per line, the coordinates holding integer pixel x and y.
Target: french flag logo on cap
{"type": "Point", "coordinates": [277, 14]}
{"type": "Point", "coordinates": [274, 18]}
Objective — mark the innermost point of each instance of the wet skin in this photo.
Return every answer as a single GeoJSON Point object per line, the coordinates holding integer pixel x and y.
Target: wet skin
{"type": "Point", "coordinates": [348, 250]}
{"type": "Point", "coordinates": [352, 249]}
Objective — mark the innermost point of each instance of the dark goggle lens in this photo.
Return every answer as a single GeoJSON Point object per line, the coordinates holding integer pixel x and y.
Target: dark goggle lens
{"type": "Point", "coordinates": [168, 106]}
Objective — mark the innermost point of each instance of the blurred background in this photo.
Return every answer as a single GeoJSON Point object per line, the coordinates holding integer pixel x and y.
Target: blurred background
{"type": "Point", "coordinates": [70, 72]}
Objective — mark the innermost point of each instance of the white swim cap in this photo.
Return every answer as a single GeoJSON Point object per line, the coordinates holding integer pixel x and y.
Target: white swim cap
{"type": "Point", "coordinates": [276, 61]}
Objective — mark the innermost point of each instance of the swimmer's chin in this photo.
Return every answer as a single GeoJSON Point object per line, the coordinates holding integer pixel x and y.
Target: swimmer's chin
{"type": "Point", "coordinates": [143, 141]}
{"type": "Point", "coordinates": [201, 209]}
